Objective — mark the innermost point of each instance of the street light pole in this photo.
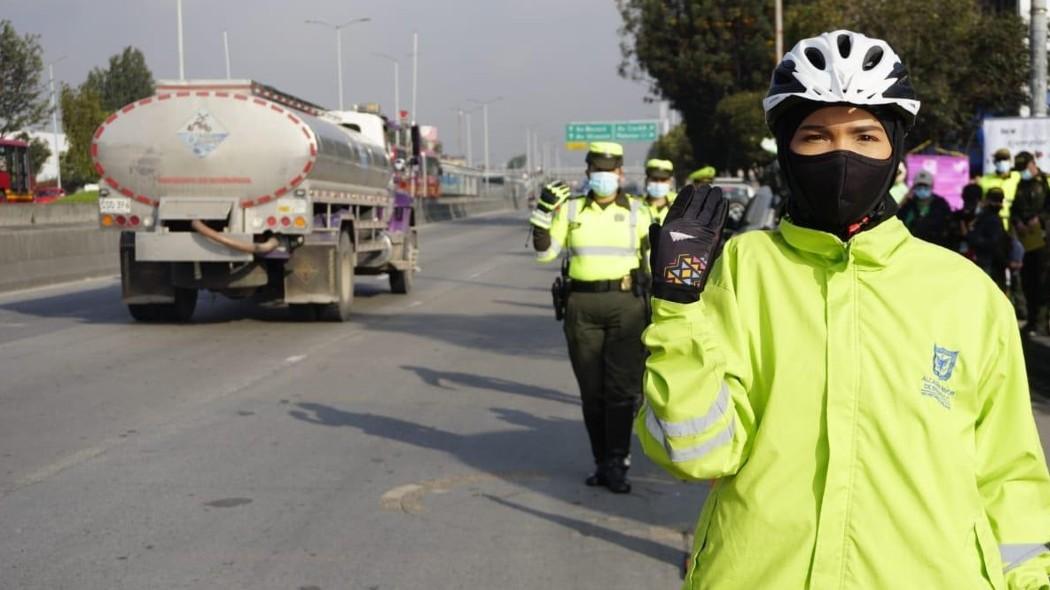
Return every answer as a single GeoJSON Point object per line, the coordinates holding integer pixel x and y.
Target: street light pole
{"type": "Point", "coordinates": [339, 47]}
{"type": "Point", "coordinates": [779, 26]}
{"type": "Point", "coordinates": [485, 116]}
{"type": "Point", "coordinates": [397, 87]}
{"type": "Point", "coordinates": [1037, 44]}
{"type": "Point", "coordinates": [415, 72]}
{"type": "Point", "coordinates": [470, 143]}
{"type": "Point", "coordinates": [226, 49]}
{"type": "Point", "coordinates": [54, 120]}
{"type": "Point", "coordinates": [178, 17]}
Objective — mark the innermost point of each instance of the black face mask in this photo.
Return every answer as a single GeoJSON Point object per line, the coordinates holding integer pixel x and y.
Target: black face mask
{"type": "Point", "coordinates": [838, 189]}
{"type": "Point", "coordinates": [839, 192]}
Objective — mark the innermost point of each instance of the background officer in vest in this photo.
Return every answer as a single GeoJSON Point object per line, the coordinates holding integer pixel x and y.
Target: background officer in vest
{"type": "Point", "coordinates": [604, 236]}
{"type": "Point", "coordinates": [658, 179]}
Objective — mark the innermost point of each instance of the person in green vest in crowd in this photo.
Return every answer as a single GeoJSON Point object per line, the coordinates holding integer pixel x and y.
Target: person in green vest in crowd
{"type": "Point", "coordinates": [1002, 176]}
{"type": "Point", "coordinates": [1028, 217]}
{"type": "Point", "coordinates": [659, 175]}
{"type": "Point", "coordinates": [704, 175]}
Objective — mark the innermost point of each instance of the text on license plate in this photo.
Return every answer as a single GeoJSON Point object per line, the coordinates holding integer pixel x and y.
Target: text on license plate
{"type": "Point", "coordinates": [114, 205]}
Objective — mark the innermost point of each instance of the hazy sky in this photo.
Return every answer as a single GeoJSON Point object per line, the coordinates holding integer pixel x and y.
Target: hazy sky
{"type": "Point", "coordinates": [553, 61]}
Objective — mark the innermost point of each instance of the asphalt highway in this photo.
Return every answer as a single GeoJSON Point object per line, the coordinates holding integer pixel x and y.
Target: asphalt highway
{"type": "Point", "coordinates": [433, 442]}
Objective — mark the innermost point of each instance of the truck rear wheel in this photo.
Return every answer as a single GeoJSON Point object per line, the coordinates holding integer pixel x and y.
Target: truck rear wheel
{"type": "Point", "coordinates": [181, 311]}
{"type": "Point", "coordinates": [143, 312]}
{"type": "Point", "coordinates": [401, 280]}
{"type": "Point", "coordinates": [339, 310]}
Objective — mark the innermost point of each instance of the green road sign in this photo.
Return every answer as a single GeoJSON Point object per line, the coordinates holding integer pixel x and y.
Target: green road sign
{"type": "Point", "coordinates": [612, 131]}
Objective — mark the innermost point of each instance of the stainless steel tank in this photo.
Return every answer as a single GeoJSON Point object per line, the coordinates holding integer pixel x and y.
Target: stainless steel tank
{"type": "Point", "coordinates": [228, 140]}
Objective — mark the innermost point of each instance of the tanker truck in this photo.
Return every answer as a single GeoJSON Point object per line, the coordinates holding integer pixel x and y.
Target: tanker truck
{"type": "Point", "coordinates": [237, 188]}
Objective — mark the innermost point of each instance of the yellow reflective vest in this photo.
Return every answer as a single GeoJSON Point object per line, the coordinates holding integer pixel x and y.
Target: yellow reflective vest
{"type": "Point", "coordinates": [1009, 186]}
{"type": "Point", "coordinates": [603, 243]}
{"type": "Point", "coordinates": [865, 410]}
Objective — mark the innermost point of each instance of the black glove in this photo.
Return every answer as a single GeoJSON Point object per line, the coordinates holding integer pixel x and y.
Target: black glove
{"type": "Point", "coordinates": [552, 196]}
{"type": "Point", "coordinates": [684, 248]}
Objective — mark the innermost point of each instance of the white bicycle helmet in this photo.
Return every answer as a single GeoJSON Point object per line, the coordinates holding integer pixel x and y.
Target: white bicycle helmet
{"type": "Point", "coordinates": [841, 67]}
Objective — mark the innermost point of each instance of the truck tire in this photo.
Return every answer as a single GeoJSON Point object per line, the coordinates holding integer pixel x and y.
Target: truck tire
{"type": "Point", "coordinates": [181, 311]}
{"type": "Point", "coordinates": [401, 280]}
{"type": "Point", "coordinates": [143, 312]}
{"type": "Point", "coordinates": [339, 310]}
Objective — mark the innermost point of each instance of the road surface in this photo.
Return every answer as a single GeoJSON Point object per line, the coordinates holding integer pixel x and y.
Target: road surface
{"type": "Point", "coordinates": [434, 442]}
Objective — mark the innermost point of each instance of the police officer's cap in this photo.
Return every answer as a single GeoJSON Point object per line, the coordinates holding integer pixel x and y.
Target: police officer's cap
{"type": "Point", "coordinates": [659, 169]}
{"type": "Point", "coordinates": [605, 155]}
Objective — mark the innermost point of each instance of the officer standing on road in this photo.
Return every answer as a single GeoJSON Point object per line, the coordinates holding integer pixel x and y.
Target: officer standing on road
{"type": "Point", "coordinates": [658, 178]}
{"type": "Point", "coordinates": [857, 442]}
{"type": "Point", "coordinates": [604, 237]}
{"type": "Point", "coordinates": [705, 175]}
{"type": "Point", "coordinates": [1003, 177]}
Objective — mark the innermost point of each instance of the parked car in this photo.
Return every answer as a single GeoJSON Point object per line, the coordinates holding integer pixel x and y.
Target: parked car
{"type": "Point", "coordinates": [739, 195]}
{"type": "Point", "coordinates": [47, 194]}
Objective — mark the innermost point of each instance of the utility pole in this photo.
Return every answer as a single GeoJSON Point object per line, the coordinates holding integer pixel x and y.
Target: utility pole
{"type": "Point", "coordinates": [178, 18]}
{"type": "Point", "coordinates": [226, 49]}
{"type": "Point", "coordinates": [484, 104]}
{"type": "Point", "coordinates": [779, 25]}
{"type": "Point", "coordinates": [1037, 44]}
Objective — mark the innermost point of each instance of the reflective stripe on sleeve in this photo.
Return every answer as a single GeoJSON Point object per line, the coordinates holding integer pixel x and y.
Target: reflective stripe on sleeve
{"type": "Point", "coordinates": [550, 253]}
{"type": "Point", "coordinates": [601, 251]}
{"type": "Point", "coordinates": [1015, 555]}
{"type": "Point", "coordinates": [700, 425]}
{"type": "Point", "coordinates": [660, 430]}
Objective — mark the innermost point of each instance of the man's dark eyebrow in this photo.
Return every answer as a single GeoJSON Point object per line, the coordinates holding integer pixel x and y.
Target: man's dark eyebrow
{"type": "Point", "coordinates": [865, 129]}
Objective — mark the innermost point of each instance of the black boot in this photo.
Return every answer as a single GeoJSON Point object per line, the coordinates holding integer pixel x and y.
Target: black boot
{"type": "Point", "coordinates": [597, 478]}
{"type": "Point", "coordinates": [594, 420]}
{"type": "Point", "coordinates": [616, 477]}
{"type": "Point", "coordinates": [618, 422]}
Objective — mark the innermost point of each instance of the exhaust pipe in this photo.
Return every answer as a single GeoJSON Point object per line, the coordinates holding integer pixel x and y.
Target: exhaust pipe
{"type": "Point", "coordinates": [222, 239]}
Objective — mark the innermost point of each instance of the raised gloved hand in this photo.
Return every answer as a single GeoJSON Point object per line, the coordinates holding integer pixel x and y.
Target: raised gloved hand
{"type": "Point", "coordinates": [684, 248]}
{"type": "Point", "coordinates": [551, 197]}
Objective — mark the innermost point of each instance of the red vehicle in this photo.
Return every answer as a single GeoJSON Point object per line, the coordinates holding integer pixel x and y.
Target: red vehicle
{"type": "Point", "coordinates": [16, 175]}
{"type": "Point", "coordinates": [404, 176]}
{"type": "Point", "coordinates": [48, 194]}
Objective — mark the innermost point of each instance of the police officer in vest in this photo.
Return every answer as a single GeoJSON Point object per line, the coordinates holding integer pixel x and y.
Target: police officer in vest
{"type": "Point", "coordinates": [603, 236]}
{"type": "Point", "coordinates": [658, 178]}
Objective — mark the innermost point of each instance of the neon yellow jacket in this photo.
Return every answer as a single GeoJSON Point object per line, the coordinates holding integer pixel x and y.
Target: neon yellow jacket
{"type": "Point", "coordinates": [860, 442]}
{"type": "Point", "coordinates": [1009, 186]}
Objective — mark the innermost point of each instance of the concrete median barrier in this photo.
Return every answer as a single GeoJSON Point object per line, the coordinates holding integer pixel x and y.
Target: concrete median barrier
{"type": "Point", "coordinates": [43, 244]}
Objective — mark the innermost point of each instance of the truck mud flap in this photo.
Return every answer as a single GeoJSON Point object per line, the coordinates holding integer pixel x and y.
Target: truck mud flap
{"type": "Point", "coordinates": [143, 282]}
{"type": "Point", "coordinates": [310, 275]}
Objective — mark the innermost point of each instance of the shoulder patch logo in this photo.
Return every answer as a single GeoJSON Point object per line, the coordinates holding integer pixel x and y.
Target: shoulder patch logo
{"type": "Point", "coordinates": [944, 362]}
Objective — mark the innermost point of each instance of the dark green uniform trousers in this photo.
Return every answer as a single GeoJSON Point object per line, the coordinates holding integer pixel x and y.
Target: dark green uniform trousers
{"type": "Point", "coordinates": [604, 332]}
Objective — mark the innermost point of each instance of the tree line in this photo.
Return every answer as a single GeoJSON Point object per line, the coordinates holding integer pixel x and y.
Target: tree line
{"type": "Point", "coordinates": [25, 100]}
{"type": "Point", "coordinates": [712, 59]}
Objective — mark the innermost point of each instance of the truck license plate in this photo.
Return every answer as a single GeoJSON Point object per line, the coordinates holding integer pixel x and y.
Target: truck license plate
{"type": "Point", "coordinates": [114, 205]}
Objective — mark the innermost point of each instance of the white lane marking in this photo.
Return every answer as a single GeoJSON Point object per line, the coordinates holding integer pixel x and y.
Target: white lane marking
{"type": "Point", "coordinates": [69, 287]}
{"type": "Point", "coordinates": [415, 304]}
{"type": "Point", "coordinates": [478, 274]}
{"type": "Point", "coordinates": [60, 465]}
{"type": "Point", "coordinates": [12, 325]}
{"type": "Point", "coordinates": [295, 359]}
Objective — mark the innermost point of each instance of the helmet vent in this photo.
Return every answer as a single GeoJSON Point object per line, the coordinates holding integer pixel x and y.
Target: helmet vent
{"type": "Point", "coordinates": [872, 58]}
{"type": "Point", "coordinates": [816, 58]}
{"type": "Point", "coordinates": [782, 75]}
{"type": "Point", "coordinates": [845, 45]}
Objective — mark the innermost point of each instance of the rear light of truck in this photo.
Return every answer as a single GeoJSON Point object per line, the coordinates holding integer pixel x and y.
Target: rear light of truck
{"type": "Point", "coordinates": [134, 220]}
{"type": "Point", "coordinates": [300, 222]}
{"type": "Point", "coordinates": [107, 220]}
{"type": "Point", "coordinates": [285, 221]}
{"type": "Point", "coordinates": [271, 221]}
{"type": "Point", "coordinates": [121, 220]}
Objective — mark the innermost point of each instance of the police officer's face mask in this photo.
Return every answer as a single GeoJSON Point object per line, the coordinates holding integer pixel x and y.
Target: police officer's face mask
{"type": "Point", "coordinates": [604, 184]}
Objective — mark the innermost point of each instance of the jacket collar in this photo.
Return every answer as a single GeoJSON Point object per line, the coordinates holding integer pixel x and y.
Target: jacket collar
{"type": "Point", "coordinates": [873, 248]}
{"type": "Point", "coordinates": [621, 199]}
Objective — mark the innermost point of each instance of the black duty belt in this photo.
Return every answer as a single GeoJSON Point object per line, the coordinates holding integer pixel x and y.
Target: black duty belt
{"type": "Point", "coordinates": [621, 284]}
